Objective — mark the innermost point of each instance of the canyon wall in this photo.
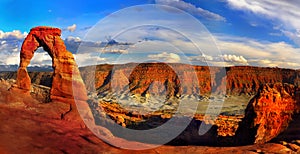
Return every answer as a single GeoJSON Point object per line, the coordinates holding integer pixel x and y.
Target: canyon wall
{"type": "Point", "coordinates": [239, 80]}
{"type": "Point", "coordinates": [180, 79]}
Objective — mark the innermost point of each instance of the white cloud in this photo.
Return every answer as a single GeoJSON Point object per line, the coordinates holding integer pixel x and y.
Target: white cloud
{"type": "Point", "coordinates": [72, 38]}
{"type": "Point", "coordinates": [188, 7]}
{"type": "Point", "coordinates": [274, 63]}
{"type": "Point", "coordinates": [295, 35]}
{"type": "Point", "coordinates": [285, 13]}
{"type": "Point", "coordinates": [86, 59]}
{"type": "Point", "coordinates": [41, 59]}
{"type": "Point", "coordinates": [221, 60]}
{"type": "Point", "coordinates": [201, 58]}
{"type": "Point", "coordinates": [15, 49]}
{"type": "Point", "coordinates": [15, 34]}
{"type": "Point", "coordinates": [72, 28]}
{"type": "Point", "coordinates": [166, 57]}
{"type": "Point", "coordinates": [234, 58]}
{"type": "Point", "coordinates": [8, 46]}
{"type": "Point", "coordinates": [11, 59]}
{"type": "Point", "coordinates": [3, 42]}
{"type": "Point", "coordinates": [260, 53]}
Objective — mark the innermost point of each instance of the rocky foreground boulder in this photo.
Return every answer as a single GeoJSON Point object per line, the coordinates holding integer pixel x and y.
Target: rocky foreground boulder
{"type": "Point", "coordinates": [66, 76]}
{"type": "Point", "coordinates": [270, 112]}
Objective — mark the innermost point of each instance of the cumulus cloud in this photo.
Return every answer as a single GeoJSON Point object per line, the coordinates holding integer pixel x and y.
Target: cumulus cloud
{"type": "Point", "coordinates": [72, 28]}
{"type": "Point", "coordinates": [234, 59]}
{"type": "Point", "coordinates": [201, 58]}
{"type": "Point", "coordinates": [188, 7]}
{"type": "Point", "coordinates": [74, 39]}
{"type": "Point", "coordinates": [41, 59]}
{"type": "Point", "coordinates": [86, 59]}
{"type": "Point", "coordinates": [286, 13]}
{"type": "Point", "coordinates": [16, 34]}
{"type": "Point", "coordinates": [220, 60]}
{"type": "Point", "coordinates": [260, 53]}
{"type": "Point", "coordinates": [254, 48]}
{"type": "Point", "coordinates": [10, 59]}
{"type": "Point", "coordinates": [9, 46]}
{"type": "Point", "coordinates": [166, 57]}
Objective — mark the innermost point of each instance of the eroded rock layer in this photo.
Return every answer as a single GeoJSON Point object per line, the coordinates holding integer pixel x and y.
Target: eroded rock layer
{"type": "Point", "coordinates": [197, 80]}
{"type": "Point", "coordinates": [271, 110]}
{"type": "Point", "coordinates": [67, 82]}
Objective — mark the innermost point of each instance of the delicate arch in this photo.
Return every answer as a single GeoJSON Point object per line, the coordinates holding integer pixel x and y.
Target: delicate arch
{"type": "Point", "coordinates": [66, 76]}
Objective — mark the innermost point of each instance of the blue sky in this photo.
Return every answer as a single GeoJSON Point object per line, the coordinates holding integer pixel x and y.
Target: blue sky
{"type": "Point", "coordinates": [247, 32]}
{"type": "Point", "coordinates": [24, 14]}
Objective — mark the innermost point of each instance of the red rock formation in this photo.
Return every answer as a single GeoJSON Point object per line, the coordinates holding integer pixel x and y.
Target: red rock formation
{"type": "Point", "coordinates": [156, 79]}
{"type": "Point", "coordinates": [67, 82]}
{"type": "Point", "coordinates": [271, 110]}
{"type": "Point", "coordinates": [193, 79]}
{"type": "Point", "coordinates": [247, 80]}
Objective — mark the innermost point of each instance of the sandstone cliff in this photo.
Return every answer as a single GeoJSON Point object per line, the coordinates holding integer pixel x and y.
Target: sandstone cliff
{"type": "Point", "coordinates": [239, 80]}
{"type": "Point", "coordinates": [184, 79]}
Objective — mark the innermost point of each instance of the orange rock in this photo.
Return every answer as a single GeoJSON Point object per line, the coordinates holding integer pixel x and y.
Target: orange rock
{"type": "Point", "coordinates": [271, 110]}
{"type": "Point", "coordinates": [181, 79]}
{"type": "Point", "coordinates": [67, 82]}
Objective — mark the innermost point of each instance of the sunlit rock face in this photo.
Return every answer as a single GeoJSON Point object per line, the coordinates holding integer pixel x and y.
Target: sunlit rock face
{"type": "Point", "coordinates": [271, 110]}
{"type": "Point", "coordinates": [67, 82]}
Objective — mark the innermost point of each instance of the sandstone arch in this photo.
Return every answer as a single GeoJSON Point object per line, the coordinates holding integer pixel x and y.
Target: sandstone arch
{"type": "Point", "coordinates": [66, 76]}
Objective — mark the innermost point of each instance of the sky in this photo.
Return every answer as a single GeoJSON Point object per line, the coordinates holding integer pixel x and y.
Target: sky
{"type": "Point", "coordinates": [202, 32]}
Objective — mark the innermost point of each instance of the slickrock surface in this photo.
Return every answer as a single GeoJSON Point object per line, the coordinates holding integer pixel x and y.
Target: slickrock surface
{"type": "Point", "coordinates": [66, 75]}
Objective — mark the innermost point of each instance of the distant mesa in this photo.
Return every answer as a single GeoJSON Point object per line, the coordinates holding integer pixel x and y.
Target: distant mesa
{"type": "Point", "coordinates": [66, 76]}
